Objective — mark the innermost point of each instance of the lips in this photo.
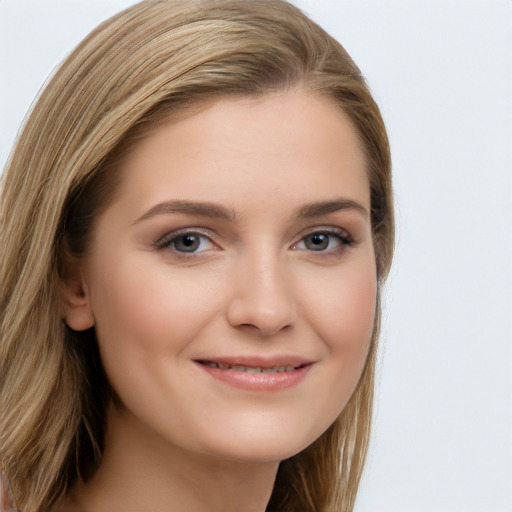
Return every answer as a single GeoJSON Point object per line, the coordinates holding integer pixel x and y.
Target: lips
{"type": "Point", "coordinates": [257, 373]}
{"type": "Point", "coordinates": [258, 361]}
{"type": "Point", "coordinates": [249, 369]}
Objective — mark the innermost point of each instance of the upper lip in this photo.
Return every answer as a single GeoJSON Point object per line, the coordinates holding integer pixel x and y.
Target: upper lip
{"type": "Point", "coordinates": [258, 361]}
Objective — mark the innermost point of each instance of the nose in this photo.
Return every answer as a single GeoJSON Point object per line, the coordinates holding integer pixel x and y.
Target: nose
{"type": "Point", "coordinates": [263, 298]}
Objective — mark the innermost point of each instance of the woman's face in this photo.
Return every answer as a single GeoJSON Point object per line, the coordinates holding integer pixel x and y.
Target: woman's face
{"type": "Point", "coordinates": [232, 279]}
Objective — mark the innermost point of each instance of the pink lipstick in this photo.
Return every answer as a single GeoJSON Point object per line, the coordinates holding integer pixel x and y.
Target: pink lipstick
{"type": "Point", "coordinates": [257, 373]}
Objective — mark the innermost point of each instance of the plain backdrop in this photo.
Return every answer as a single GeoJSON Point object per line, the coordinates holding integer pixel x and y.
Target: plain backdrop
{"type": "Point", "coordinates": [441, 70]}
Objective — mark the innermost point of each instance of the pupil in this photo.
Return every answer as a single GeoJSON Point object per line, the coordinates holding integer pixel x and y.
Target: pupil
{"type": "Point", "coordinates": [188, 243]}
{"type": "Point", "coordinates": [319, 242]}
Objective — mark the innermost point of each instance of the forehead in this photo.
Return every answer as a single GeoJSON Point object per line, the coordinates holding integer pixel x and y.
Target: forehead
{"type": "Point", "coordinates": [294, 142]}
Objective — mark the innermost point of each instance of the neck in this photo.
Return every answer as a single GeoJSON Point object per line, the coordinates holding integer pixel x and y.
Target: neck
{"type": "Point", "coordinates": [140, 471]}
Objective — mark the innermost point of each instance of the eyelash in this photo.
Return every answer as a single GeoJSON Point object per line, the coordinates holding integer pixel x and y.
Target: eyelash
{"type": "Point", "coordinates": [169, 240]}
{"type": "Point", "coordinates": [341, 235]}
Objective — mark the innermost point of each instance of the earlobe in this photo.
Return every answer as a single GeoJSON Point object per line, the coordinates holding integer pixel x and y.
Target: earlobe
{"type": "Point", "coordinates": [78, 313]}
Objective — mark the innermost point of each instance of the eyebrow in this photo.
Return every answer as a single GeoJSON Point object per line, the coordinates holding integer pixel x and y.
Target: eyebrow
{"type": "Point", "coordinates": [203, 209]}
{"type": "Point", "coordinates": [216, 211]}
{"type": "Point", "coordinates": [319, 208]}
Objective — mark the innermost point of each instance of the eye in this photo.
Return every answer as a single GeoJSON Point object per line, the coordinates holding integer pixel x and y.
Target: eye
{"type": "Point", "coordinates": [189, 242]}
{"type": "Point", "coordinates": [324, 241]}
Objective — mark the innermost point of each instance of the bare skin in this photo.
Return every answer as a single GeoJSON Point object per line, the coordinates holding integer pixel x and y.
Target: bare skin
{"type": "Point", "coordinates": [232, 287]}
{"type": "Point", "coordinates": [195, 484]}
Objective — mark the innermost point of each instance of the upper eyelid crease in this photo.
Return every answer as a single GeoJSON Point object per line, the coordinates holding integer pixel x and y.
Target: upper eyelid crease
{"type": "Point", "coordinates": [168, 237]}
{"type": "Point", "coordinates": [340, 233]}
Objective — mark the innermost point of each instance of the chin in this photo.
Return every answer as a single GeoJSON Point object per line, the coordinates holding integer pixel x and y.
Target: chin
{"type": "Point", "coordinates": [262, 445]}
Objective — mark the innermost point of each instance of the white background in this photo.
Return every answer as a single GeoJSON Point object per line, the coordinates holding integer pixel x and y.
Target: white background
{"type": "Point", "coordinates": [441, 71]}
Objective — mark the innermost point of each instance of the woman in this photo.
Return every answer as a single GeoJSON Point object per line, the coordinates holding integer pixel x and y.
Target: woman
{"type": "Point", "coordinates": [196, 222]}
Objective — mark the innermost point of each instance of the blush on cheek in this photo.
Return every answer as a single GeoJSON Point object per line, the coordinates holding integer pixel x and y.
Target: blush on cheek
{"type": "Point", "coordinates": [355, 314]}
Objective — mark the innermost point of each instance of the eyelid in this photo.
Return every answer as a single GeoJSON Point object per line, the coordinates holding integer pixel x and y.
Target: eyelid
{"type": "Point", "coordinates": [329, 230]}
{"type": "Point", "coordinates": [166, 239]}
{"type": "Point", "coordinates": [345, 238]}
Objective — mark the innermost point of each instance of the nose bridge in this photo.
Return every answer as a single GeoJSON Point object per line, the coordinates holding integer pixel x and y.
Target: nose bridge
{"type": "Point", "coordinates": [263, 293]}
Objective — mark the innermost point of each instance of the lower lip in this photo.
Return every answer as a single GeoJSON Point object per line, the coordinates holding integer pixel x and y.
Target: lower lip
{"type": "Point", "coordinates": [258, 381]}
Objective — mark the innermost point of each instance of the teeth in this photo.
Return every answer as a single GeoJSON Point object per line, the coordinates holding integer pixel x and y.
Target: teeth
{"type": "Point", "coordinates": [250, 369]}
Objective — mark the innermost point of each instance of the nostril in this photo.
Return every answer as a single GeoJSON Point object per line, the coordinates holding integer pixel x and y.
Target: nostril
{"type": "Point", "coordinates": [263, 301]}
{"type": "Point", "coordinates": [265, 328]}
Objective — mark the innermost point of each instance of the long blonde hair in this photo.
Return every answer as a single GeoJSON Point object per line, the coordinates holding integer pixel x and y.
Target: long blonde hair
{"type": "Point", "coordinates": [143, 64]}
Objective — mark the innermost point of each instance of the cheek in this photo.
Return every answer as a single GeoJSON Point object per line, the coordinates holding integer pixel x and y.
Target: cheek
{"type": "Point", "coordinates": [344, 319]}
{"type": "Point", "coordinates": [343, 305]}
{"type": "Point", "coordinates": [355, 311]}
{"type": "Point", "coordinates": [144, 317]}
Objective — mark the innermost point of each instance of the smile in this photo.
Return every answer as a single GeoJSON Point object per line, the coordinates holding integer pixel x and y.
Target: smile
{"type": "Point", "coordinates": [261, 376]}
{"type": "Point", "coordinates": [249, 369]}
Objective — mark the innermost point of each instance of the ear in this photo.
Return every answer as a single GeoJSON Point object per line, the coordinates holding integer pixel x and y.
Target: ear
{"type": "Point", "coordinates": [78, 313]}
